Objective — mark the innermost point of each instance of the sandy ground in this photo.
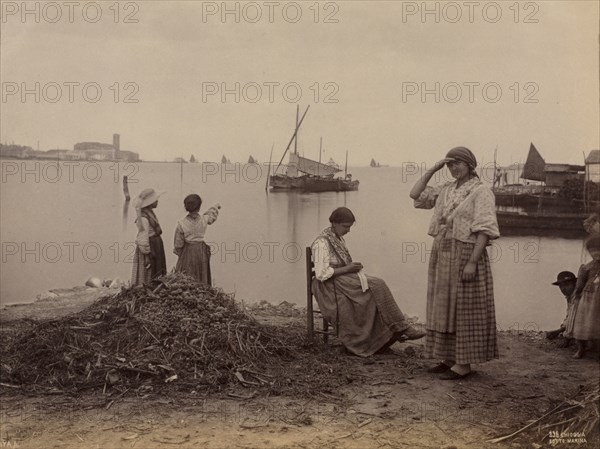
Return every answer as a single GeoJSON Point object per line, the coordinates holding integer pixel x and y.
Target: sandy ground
{"type": "Point", "coordinates": [385, 403]}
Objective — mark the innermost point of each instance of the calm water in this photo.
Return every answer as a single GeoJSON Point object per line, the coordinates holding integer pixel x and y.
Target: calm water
{"type": "Point", "coordinates": [60, 228]}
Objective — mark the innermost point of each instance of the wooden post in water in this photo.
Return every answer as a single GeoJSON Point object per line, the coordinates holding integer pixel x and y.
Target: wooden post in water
{"type": "Point", "coordinates": [126, 189]}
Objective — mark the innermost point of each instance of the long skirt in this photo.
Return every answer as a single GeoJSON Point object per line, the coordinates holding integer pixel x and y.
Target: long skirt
{"type": "Point", "coordinates": [194, 260]}
{"type": "Point", "coordinates": [157, 253]}
{"type": "Point", "coordinates": [461, 320]}
{"type": "Point", "coordinates": [586, 325]}
{"type": "Point", "coordinates": [366, 321]}
{"type": "Point", "coordinates": [141, 272]}
{"type": "Point", "coordinates": [569, 322]}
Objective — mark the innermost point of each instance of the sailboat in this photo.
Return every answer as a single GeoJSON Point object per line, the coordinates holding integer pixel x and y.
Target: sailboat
{"type": "Point", "coordinates": [224, 160]}
{"type": "Point", "coordinates": [374, 164]}
{"type": "Point", "coordinates": [540, 209]}
{"type": "Point", "coordinates": [251, 160]}
{"type": "Point", "coordinates": [308, 175]}
{"type": "Point", "coordinates": [193, 159]}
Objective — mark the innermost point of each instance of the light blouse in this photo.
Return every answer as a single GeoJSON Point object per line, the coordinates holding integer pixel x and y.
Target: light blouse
{"type": "Point", "coordinates": [323, 258]}
{"type": "Point", "coordinates": [192, 228]}
{"type": "Point", "coordinates": [477, 213]}
{"type": "Point", "coordinates": [143, 237]}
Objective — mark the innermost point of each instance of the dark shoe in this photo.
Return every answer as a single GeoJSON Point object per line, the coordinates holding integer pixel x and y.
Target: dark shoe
{"type": "Point", "coordinates": [551, 335]}
{"type": "Point", "coordinates": [440, 368]}
{"type": "Point", "coordinates": [412, 333]}
{"type": "Point", "coordinates": [453, 375]}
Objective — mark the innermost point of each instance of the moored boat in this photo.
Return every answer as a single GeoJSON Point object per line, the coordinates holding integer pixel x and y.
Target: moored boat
{"type": "Point", "coordinates": [308, 175]}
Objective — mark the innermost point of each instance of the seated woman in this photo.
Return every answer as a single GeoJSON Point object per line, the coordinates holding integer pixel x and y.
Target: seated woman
{"type": "Point", "coordinates": [362, 307]}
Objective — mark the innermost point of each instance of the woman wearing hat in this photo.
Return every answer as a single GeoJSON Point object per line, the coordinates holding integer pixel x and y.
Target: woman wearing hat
{"type": "Point", "coordinates": [461, 321]}
{"type": "Point", "coordinates": [361, 307]}
{"type": "Point", "coordinates": [586, 324]}
{"type": "Point", "coordinates": [149, 259]}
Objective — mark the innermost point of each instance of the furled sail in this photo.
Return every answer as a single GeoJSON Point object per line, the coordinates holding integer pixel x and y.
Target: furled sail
{"type": "Point", "coordinates": [534, 166]}
{"type": "Point", "coordinates": [309, 166]}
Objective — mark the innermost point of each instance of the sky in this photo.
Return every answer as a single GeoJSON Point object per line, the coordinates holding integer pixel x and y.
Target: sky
{"type": "Point", "coordinates": [390, 80]}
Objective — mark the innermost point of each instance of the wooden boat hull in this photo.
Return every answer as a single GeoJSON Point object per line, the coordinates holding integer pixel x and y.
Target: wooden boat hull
{"type": "Point", "coordinates": [330, 185]}
{"type": "Point", "coordinates": [563, 225]}
{"type": "Point", "coordinates": [311, 184]}
{"type": "Point", "coordinates": [283, 182]}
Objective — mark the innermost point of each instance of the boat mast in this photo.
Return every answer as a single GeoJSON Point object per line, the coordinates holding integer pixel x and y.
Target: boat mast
{"type": "Point", "coordinates": [346, 166]}
{"type": "Point", "coordinates": [269, 169]}
{"type": "Point", "coordinates": [296, 139]}
{"type": "Point", "coordinates": [292, 139]}
{"type": "Point", "coordinates": [494, 175]}
{"type": "Point", "coordinates": [320, 150]}
{"type": "Point", "coordinates": [585, 175]}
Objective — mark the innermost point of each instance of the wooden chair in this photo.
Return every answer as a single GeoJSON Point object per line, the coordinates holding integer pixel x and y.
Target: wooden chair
{"type": "Point", "coordinates": [311, 312]}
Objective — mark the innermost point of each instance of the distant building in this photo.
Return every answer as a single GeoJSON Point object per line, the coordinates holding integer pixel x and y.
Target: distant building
{"type": "Point", "coordinates": [557, 174]}
{"type": "Point", "coordinates": [129, 156]}
{"type": "Point", "coordinates": [592, 166]}
{"type": "Point", "coordinates": [96, 151]}
{"type": "Point", "coordinates": [82, 151]}
{"type": "Point", "coordinates": [15, 152]}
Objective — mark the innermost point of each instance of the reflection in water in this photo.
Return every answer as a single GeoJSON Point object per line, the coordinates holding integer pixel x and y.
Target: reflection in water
{"type": "Point", "coordinates": [390, 238]}
{"type": "Point", "coordinates": [125, 214]}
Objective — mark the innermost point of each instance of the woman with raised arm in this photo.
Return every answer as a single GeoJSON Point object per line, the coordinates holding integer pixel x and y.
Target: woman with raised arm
{"type": "Point", "coordinates": [461, 321]}
{"type": "Point", "coordinates": [361, 307]}
{"type": "Point", "coordinates": [189, 245]}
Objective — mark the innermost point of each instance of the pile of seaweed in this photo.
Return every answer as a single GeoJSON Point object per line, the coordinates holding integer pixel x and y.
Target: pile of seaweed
{"type": "Point", "coordinates": [574, 422]}
{"type": "Point", "coordinates": [177, 334]}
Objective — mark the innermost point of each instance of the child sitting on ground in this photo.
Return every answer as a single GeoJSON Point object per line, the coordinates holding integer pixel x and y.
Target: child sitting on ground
{"type": "Point", "coordinates": [566, 281]}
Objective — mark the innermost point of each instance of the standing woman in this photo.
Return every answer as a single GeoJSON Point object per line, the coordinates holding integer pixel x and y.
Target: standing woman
{"type": "Point", "coordinates": [193, 252]}
{"type": "Point", "coordinates": [586, 322]}
{"type": "Point", "coordinates": [149, 258]}
{"type": "Point", "coordinates": [461, 321]}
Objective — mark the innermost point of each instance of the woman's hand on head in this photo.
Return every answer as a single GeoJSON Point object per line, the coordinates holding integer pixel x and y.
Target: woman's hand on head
{"type": "Point", "coordinates": [440, 164]}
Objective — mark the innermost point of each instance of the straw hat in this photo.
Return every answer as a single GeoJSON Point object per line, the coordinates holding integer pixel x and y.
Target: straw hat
{"type": "Point", "coordinates": [147, 197]}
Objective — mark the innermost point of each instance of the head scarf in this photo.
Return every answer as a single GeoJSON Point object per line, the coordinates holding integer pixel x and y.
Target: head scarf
{"type": "Point", "coordinates": [342, 215]}
{"type": "Point", "coordinates": [463, 154]}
